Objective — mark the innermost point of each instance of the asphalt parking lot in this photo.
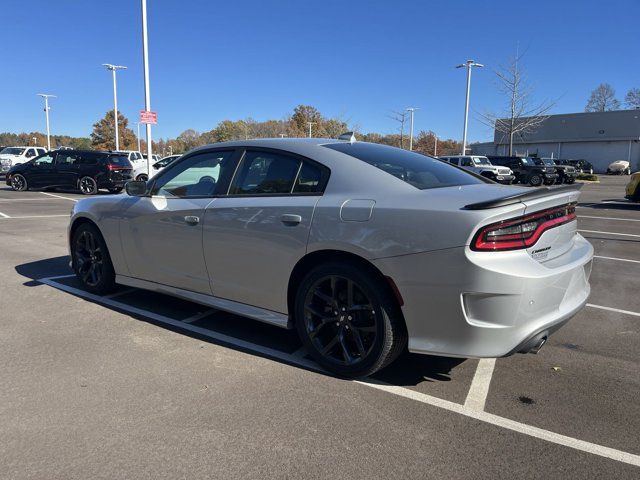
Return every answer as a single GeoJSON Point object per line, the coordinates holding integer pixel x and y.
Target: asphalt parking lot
{"type": "Point", "coordinates": [140, 385]}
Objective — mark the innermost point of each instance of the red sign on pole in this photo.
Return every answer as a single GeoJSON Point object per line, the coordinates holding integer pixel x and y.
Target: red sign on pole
{"type": "Point", "coordinates": [148, 117]}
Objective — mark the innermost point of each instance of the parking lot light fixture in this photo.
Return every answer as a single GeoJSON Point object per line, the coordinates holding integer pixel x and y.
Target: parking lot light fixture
{"type": "Point", "coordinates": [138, 134]}
{"type": "Point", "coordinates": [46, 113]}
{"type": "Point", "coordinates": [113, 69]}
{"type": "Point", "coordinates": [468, 65]}
{"type": "Point", "coordinates": [310, 123]}
{"type": "Point", "coordinates": [411, 111]}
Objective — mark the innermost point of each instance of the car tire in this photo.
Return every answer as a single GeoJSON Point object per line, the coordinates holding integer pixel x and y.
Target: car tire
{"type": "Point", "coordinates": [115, 190]}
{"type": "Point", "coordinates": [348, 320]}
{"type": "Point", "coordinates": [535, 180]}
{"type": "Point", "coordinates": [91, 261]}
{"type": "Point", "coordinates": [88, 186]}
{"type": "Point", "coordinates": [143, 177]}
{"type": "Point", "coordinates": [19, 183]}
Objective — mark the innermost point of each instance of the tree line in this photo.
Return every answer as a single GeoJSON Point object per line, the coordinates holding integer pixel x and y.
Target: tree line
{"type": "Point", "coordinates": [603, 99]}
{"type": "Point", "coordinates": [295, 125]}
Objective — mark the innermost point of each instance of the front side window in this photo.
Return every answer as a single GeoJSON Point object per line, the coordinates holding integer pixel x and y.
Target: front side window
{"type": "Point", "coordinates": [44, 161]}
{"type": "Point", "coordinates": [418, 170]}
{"type": "Point", "coordinates": [197, 176]}
{"type": "Point", "coordinates": [30, 153]}
{"type": "Point", "coordinates": [266, 173]}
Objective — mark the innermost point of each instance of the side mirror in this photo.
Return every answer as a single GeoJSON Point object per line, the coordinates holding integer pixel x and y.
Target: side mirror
{"type": "Point", "coordinates": [136, 188]}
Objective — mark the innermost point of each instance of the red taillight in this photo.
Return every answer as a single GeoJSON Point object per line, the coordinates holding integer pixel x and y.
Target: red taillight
{"type": "Point", "coordinates": [111, 167]}
{"type": "Point", "coordinates": [524, 231]}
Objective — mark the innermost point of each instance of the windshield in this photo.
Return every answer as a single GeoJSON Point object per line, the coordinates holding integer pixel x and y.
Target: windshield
{"type": "Point", "coordinates": [12, 151]}
{"type": "Point", "coordinates": [528, 161]}
{"type": "Point", "coordinates": [549, 161]}
{"type": "Point", "coordinates": [413, 168]}
{"type": "Point", "coordinates": [481, 161]}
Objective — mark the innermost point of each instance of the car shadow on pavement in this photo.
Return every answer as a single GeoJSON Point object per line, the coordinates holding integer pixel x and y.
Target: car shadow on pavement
{"type": "Point", "coordinates": [408, 370]}
{"type": "Point", "coordinates": [622, 205]}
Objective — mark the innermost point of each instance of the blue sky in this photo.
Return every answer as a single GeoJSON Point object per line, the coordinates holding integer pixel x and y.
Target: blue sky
{"type": "Point", "coordinates": [212, 60]}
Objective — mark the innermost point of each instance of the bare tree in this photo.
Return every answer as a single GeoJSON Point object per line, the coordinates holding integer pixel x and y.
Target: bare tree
{"type": "Point", "coordinates": [632, 98]}
{"type": "Point", "coordinates": [521, 116]}
{"type": "Point", "coordinates": [401, 118]}
{"type": "Point", "coordinates": [602, 99]}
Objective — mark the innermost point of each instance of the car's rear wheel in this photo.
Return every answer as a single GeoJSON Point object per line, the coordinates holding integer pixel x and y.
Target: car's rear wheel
{"type": "Point", "coordinates": [88, 186]}
{"type": "Point", "coordinates": [535, 180]}
{"type": "Point", "coordinates": [19, 183]}
{"type": "Point", "coordinates": [91, 261]}
{"type": "Point", "coordinates": [348, 321]}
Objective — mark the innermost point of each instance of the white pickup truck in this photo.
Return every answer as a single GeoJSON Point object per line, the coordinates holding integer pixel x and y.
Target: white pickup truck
{"type": "Point", "coordinates": [138, 162]}
{"type": "Point", "coordinates": [11, 156]}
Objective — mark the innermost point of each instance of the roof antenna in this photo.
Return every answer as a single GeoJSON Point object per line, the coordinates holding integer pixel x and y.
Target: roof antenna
{"type": "Point", "coordinates": [348, 136]}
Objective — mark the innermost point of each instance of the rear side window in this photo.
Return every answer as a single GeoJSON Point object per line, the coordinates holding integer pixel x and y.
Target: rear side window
{"type": "Point", "coordinates": [89, 158]}
{"type": "Point", "coordinates": [63, 158]}
{"type": "Point", "coordinates": [413, 168]}
{"type": "Point", "coordinates": [265, 173]}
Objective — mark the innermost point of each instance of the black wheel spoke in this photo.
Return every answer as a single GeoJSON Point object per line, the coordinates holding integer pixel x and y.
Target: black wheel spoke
{"type": "Point", "coordinates": [340, 320]}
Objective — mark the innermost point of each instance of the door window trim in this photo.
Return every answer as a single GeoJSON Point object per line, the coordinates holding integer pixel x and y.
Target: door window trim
{"type": "Point", "coordinates": [325, 173]}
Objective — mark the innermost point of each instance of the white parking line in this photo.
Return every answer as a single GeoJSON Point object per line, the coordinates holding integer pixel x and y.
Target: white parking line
{"type": "Point", "coordinates": [611, 309]}
{"type": "Point", "coordinates": [509, 424]}
{"type": "Point", "coordinates": [610, 218]}
{"type": "Point", "coordinates": [59, 196]}
{"type": "Point", "coordinates": [479, 389]}
{"type": "Point", "coordinates": [33, 216]}
{"type": "Point", "coordinates": [482, 416]}
{"type": "Point", "coordinates": [617, 259]}
{"type": "Point", "coordinates": [609, 233]}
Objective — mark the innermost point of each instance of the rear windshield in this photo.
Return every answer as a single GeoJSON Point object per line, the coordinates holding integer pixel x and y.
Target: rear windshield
{"type": "Point", "coordinates": [120, 160]}
{"type": "Point", "coordinates": [418, 170]}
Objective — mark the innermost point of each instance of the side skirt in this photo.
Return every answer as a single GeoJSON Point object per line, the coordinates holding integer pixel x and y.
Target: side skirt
{"type": "Point", "coordinates": [256, 313]}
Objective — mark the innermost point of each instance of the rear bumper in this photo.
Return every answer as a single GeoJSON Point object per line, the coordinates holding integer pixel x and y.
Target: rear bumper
{"type": "Point", "coordinates": [470, 304]}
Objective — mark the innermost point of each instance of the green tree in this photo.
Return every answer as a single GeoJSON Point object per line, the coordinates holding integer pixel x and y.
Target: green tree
{"type": "Point", "coordinates": [103, 136]}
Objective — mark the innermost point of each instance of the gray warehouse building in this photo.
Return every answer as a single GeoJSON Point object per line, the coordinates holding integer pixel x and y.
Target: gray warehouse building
{"type": "Point", "coordinates": [599, 137]}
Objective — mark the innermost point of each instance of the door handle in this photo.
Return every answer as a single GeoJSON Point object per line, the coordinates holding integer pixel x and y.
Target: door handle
{"type": "Point", "coordinates": [291, 219]}
{"type": "Point", "coordinates": [191, 220]}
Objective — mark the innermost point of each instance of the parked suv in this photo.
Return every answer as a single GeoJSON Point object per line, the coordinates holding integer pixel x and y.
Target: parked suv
{"type": "Point", "coordinates": [138, 163]}
{"type": "Point", "coordinates": [11, 156]}
{"type": "Point", "coordinates": [526, 171]}
{"type": "Point", "coordinates": [582, 166]}
{"type": "Point", "coordinates": [87, 171]}
{"type": "Point", "coordinates": [482, 166]}
{"type": "Point", "coordinates": [566, 173]}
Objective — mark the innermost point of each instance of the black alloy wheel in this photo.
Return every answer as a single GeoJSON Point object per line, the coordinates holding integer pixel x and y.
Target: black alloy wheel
{"type": "Point", "coordinates": [143, 177]}
{"type": "Point", "coordinates": [90, 259]}
{"type": "Point", "coordinates": [19, 183]}
{"type": "Point", "coordinates": [535, 180]}
{"type": "Point", "coordinates": [88, 186]}
{"type": "Point", "coordinates": [347, 321]}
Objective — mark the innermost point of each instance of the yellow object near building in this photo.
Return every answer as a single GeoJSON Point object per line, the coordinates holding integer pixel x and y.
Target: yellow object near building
{"type": "Point", "coordinates": [632, 191]}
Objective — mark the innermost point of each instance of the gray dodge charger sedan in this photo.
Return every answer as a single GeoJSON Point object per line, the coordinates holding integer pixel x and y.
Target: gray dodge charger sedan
{"type": "Point", "coordinates": [364, 249]}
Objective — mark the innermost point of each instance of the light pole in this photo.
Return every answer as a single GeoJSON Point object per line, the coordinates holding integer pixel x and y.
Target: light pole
{"type": "Point", "coordinates": [46, 113]}
{"type": "Point", "coordinates": [435, 145]}
{"type": "Point", "coordinates": [469, 65]}
{"type": "Point", "coordinates": [138, 135]}
{"type": "Point", "coordinates": [113, 69]}
{"type": "Point", "coordinates": [147, 94]}
{"type": "Point", "coordinates": [411, 110]}
{"type": "Point", "coordinates": [310, 123]}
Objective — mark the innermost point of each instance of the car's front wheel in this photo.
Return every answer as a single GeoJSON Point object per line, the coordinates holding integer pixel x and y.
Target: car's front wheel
{"type": "Point", "coordinates": [19, 183]}
{"type": "Point", "coordinates": [90, 259]}
{"type": "Point", "coordinates": [348, 320]}
{"type": "Point", "coordinates": [143, 177]}
{"type": "Point", "coordinates": [88, 186]}
{"type": "Point", "coordinates": [535, 180]}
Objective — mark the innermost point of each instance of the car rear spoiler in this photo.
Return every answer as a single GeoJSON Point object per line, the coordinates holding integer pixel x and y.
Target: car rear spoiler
{"type": "Point", "coordinates": [520, 197]}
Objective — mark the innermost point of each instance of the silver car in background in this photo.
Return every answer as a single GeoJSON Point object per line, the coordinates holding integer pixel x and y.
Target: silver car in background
{"type": "Point", "coordinates": [365, 249]}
